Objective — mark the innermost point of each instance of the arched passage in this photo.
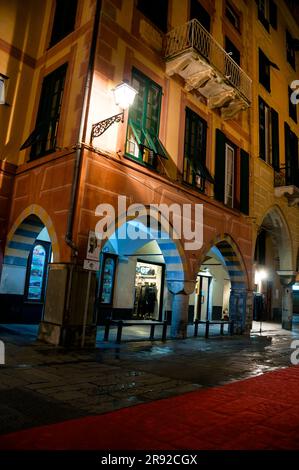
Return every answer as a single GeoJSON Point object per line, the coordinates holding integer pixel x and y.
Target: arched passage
{"type": "Point", "coordinates": [149, 272]}
{"type": "Point", "coordinates": [28, 251]}
{"type": "Point", "coordinates": [273, 270]}
{"type": "Point", "coordinates": [222, 285]}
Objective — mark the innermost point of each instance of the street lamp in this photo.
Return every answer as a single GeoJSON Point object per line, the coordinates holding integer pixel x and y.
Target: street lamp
{"type": "Point", "coordinates": [124, 96]}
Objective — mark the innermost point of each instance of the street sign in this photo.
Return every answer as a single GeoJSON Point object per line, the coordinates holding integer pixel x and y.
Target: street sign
{"type": "Point", "coordinates": [93, 247]}
{"type": "Point", "coordinates": [91, 265]}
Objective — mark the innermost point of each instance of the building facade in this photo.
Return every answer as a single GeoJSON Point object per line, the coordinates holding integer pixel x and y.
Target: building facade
{"type": "Point", "coordinates": [193, 136]}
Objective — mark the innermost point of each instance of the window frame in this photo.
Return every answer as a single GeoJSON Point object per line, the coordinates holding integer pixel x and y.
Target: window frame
{"type": "Point", "coordinates": [45, 108]}
{"type": "Point", "coordinates": [149, 144]}
{"type": "Point", "coordinates": [196, 177]}
{"type": "Point", "coordinates": [229, 146]}
{"type": "Point", "coordinates": [60, 34]}
{"type": "Point", "coordinates": [264, 70]}
{"type": "Point", "coordinates": [233, 13]}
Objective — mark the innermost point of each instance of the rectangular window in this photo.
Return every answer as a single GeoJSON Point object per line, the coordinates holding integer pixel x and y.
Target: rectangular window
{"type": "Point", "coordinates": [232, 50]}
{"type": "Point", "coordinates": [232, 15]}
{"type": "Point", "coordinates": [292, 107]}
{"type": "Point", "coordinates": [143, 142]}
{"type": "Point", "coordinates": [268, 134]}
{"type": "Point", "coordinates": [229, 175]}
{"type": "Point", "coordinates": [43, 139]}
{"type": "Point", "coordinates": [156, 11]}
{"type": "Point", "coordinates": [267, 13]}
{"type": "Point", "coordinates": [199, 13]}
{"type": "Point", "coordinates": [194, 170]}
{"type": "Point", "coordinates": [64, 20]}
{"type": "Point", "coordinates": [291, 57]}
{"type": "Point", "coordinates": [264, 70]}
{"type": "Point", "coordinates": [231, 185]}
{"type": "Point", "coordinates": [291, 157]}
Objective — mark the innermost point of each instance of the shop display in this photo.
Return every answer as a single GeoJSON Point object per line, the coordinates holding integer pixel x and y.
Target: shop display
{"type": "Point", "coordinates": [107, 284]}
{"type": "Point", "coordinates": [147, 291]}
{"type": "Point", "coordinates": [37, 273]}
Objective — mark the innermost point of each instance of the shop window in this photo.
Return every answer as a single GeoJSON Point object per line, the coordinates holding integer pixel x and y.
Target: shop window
{"type": "Point", "coordinates": [43, 139]}
{"type": "Point", "coordinates": [37, 271]}
{"type": "Point", "coordinates": [233, 16]}
{"type": "Point", "coordinates": [199, 13]}
{"type": "Point", "coordinates": [156, 11]}
{"type": "Point", "coordinates": [268, 134]}
{"type": "Point", "coordinates": [291, 57]}
{"type": "Point", "coordinates": [149, 284]}
{"type": "Point", "coordinates": [143, 143]}
{"type": "Point", "coordinates": [267, 13]}
{"type": "Point", "coordinates": [64, 20]}
{"type": "Point", "coordinates": [195, 171]}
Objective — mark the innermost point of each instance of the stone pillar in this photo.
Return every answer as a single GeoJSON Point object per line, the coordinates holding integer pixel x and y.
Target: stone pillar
{"type": "Point", "coordinates": [287, 279]}
{"type": "Point", "coordinates": [179, 320]}
{"type": "Point", "coordinates": [68, 313]}
{"type": "Point", "coordinates": [180, 307]}
{"type": "Point", "coordinates": [287, 308]}
{"type": "Point", "coordinates": [237, 309]}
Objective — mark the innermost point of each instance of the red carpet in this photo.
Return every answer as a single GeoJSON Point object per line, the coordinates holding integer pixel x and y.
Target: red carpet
{"type": "Point", "coordinates": [257, 413]}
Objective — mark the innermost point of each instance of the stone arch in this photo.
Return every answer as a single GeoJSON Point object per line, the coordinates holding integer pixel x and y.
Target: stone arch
{"type": "Point", "coordinates": [240, 302]}
{"type": "Point", "coordinates": [275, 223]}
{"type": "Point", "coordinates": [176, 264]}
{"type": "Point", "coordinates": [28, 225]}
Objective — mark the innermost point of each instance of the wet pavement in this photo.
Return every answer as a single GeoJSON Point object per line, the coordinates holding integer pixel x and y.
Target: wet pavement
{"type": "Point", "coordinates": [42, 384]}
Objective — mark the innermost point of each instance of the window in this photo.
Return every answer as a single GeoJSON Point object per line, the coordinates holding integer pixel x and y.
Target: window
{"type": "Point", "coordinates": [194, 170]}
{"type": "Point", "coordinates": [143, 125]}
{"type": "Point", "coordinates": [43, 139]}
{"type": "Point", "coordinates": [199, 13]}
{"type": "Point", "coordinates": [291, 157]}
{"type": "Point", "coordinates": [268, 134]}
{"type": "Point", "coordinates": [292, 107]}
{"type": "Point", "coordinates": [264, 70]}
{"type": "Point", "coordinates": [267, 13]}
{"type": "Point", "coordinates": [291, 58]}
{"type": "Point", "coordinates": [232, 50]}
{"type": "Point", "coordinates": [229, 175]}
{"type": "Point", "coordinates": [64, 20]}
{"type": "Point", "coordinates": [156, 11]}
{"type": "Point", "coordinates": [231, 181]}
{"type": "Point", "coordinates": [232, 16]}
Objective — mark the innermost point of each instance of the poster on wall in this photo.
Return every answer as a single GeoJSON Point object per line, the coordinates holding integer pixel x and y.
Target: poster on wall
{"type": "Point", "coordinates": [93, 247]}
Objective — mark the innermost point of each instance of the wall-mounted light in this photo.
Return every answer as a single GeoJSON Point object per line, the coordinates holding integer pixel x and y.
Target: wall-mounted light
{"type": "Point", "coordinates": [124, 96]}
{"type": "Point", "coordinates": [260, 275]}
{"type": "Point", "coordinates": [3, 78]}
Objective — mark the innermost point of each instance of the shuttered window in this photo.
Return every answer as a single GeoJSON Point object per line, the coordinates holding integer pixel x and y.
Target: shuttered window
{"type": "Point", "coordinates": [43, 139]}
{"type": "Point", "coordinates": [195, 171]}
{"type": "Point", "coordinates": [231, 181]}
{"type": "Point", "coordinates": [268, 134]}
{"type": "Point", "coordinates": [143, 142]}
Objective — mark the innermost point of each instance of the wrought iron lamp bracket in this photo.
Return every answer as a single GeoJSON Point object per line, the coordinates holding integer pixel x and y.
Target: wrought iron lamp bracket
{"type": "Point", "coordinates": [100, 127]}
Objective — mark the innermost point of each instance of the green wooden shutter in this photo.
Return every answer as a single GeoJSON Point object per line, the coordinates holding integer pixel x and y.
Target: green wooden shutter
{"type": "Point", "coordinates": [244, 182]}
{"type": "Point", "coordinates": [219, 166]}
{"type": "Point", "coordinates": [275, 139]}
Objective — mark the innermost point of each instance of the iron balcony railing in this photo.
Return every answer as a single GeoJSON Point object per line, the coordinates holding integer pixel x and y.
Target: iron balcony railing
{"type": "Point", "coordinates": [193, 35]}
{"type": "Point", "coordinates": [286, 176]}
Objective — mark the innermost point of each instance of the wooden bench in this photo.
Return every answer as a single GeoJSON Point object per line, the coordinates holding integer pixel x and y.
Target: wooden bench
{"type": "Point", "coordinates": [230, 324]}
{"type": "Point", "coordinates": [123, 323]}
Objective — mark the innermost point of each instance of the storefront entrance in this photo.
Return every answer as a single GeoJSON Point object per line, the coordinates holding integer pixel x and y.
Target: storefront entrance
{"type": "Point", "coordinates": [149, 281]}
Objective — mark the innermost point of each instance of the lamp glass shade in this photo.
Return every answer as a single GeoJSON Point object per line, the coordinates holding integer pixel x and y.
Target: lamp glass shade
{"type": "Point", "coordinates": [124, 95]}
{"type": "Point", "coordinates": [2, 91]}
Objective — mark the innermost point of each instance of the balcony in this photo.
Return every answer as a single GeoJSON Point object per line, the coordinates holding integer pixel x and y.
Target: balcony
{"type": "Point", "coordinates": [191, 52]}
{"type": "Point", "coordinates": [286, 183]}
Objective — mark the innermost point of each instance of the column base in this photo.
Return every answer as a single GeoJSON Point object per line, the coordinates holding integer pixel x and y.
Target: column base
{"type": "Point", "coordinates": [69, 336]}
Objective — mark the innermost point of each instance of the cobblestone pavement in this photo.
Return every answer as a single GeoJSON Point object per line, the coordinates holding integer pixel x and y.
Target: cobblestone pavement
{"type": "Point", "coordinates": [41, 384]}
